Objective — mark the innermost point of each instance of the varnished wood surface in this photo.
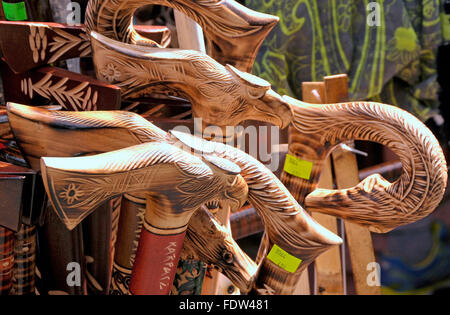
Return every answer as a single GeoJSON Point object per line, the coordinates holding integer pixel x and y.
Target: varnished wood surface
{"type": "Point", "coordinates": [233, 32]}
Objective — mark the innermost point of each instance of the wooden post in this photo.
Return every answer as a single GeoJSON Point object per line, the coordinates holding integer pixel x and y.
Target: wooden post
{"type": "Point", "coordinates": [328, 266]}
{"type": "Point", "coordinates": [346, 171]}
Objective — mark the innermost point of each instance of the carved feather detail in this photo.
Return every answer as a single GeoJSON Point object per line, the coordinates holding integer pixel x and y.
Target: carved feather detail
{"type": "Point", "coordinates": [95, 179]}
{"type": "Point", "coordinates": [376, 202]}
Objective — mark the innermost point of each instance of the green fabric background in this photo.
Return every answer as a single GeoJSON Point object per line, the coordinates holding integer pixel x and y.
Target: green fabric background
{"type": "Point", "coordinates": [392, 63]}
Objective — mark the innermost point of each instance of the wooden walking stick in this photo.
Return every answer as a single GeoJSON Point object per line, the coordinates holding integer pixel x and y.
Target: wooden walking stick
{"type": "Point", "coordinates": [350, 120]}
{"type": "Point", "coordinates": [226, 96]}
{"type": "Point", "coordinates": [233, 32]}
{"type": "Point", "coordinates": [30, 45]}
{"type": "Point", "coordinates": [328, 269]}
{"type": "Point", "coordinates": [188, 183]}
{"type": "Point", "coordinates": [358, 238]}
{"type": "Point", "coordinates": [36, 130]}
{"type": "Point", "coordinates": [220, 95]}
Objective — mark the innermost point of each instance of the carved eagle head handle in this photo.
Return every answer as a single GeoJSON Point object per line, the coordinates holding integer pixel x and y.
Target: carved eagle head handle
{"type": "Point", "coordinates": [221, 95]}
{"type": "Point", "coordinates": [211, 242]}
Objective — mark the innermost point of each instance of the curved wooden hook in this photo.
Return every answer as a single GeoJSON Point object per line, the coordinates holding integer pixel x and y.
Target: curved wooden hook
{"type": "Point", "coordinates": [234, 33]}
{"type": "Point", "coordinates": [375, 202]}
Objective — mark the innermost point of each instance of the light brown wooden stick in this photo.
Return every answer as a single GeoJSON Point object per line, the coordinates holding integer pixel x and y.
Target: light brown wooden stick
{"type": "Point", "coordinates": [89, 181]}
{"type": "Point", "coordinates": [358, 238]}
{"type": "Point", "coordinates": [328, 267]}
{"type": "Point", "coordinates": [40, 134]}
{"type": "Point", "coordinates": [234, 32]}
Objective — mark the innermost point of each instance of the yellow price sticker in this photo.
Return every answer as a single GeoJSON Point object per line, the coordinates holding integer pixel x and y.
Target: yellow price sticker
{"type": "Point", "coordinates": [283, 259]}
{"type": "Point", "coordinates": [298, 167]}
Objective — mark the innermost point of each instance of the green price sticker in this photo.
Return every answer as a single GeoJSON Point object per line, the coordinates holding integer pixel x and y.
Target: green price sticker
{"type": "Point", "coordinates": [15, 11]}
{"type": "Point", "coordinates": [298, 167]}
{"type": "Point", "coordinates": [283, 259]}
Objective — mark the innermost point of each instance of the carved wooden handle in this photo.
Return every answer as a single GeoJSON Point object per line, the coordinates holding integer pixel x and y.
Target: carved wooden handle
{"type": "Point", "coordinates": [220, 95]}
{"type": "Point", "coordinates": [76, 186]}
{"type": "Point", "coordinates": [51, 133]}
{"type": "Point", "coordinates": [234, 32]}
{"type": "Point", "coordinates": [204, 231]}
{"type": "Point", "coordinates": [375, 202]}
{"type": "Point", "coordinates": [176, 182]}
{"type": "Point", "coordinates": [288, 225]}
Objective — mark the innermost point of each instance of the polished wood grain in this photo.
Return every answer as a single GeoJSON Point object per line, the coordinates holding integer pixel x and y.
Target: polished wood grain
{"type": "Point", "coordinates": [233, 32]}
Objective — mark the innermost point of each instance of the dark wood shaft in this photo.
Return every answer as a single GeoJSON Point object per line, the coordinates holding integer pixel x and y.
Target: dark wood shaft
{"type": "Point", "coordinates": [6, 260]}
{"type": "Point", "coordinates": [24, 261]}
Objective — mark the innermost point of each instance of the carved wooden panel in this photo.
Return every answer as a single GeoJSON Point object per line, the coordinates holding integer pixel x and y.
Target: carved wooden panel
{"type": "Point", "coordinates": [29, 45]}
{"type": "Point", "coordinates": [57, 86]}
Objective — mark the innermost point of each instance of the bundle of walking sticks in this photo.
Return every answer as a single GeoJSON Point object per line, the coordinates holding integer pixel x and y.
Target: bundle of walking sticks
{"type": "Point", "coordinates": [105, 191]}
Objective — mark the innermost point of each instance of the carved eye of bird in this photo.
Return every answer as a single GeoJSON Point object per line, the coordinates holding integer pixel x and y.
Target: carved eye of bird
{"type": "Point", "coordinates": [227, 257]}
{"type": "Point", "coordinates": [255, 86]}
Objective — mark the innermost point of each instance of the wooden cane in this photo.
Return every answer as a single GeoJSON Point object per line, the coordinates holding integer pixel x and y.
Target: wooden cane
{"type": "Point", "coordinates": [235, 96]}
{"type": "Point", "coordinates": [36, 130]}
{"type": "Point", "coordinates": [233, 32]}
{"type": "Point", "coordinates": [328, 269]}
{"type": "Point", "coordinates": [311, 116]}
{"type": "Point", "coordinates": [188, 183]}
